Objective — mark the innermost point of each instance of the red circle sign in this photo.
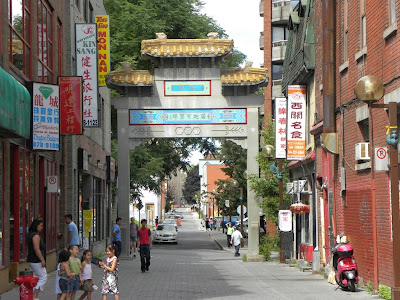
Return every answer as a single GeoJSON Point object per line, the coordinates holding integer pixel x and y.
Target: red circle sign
{"type": "Point", "coordinates": [381, 153]}
{"type": "Point", "coordinates": [52, 180]}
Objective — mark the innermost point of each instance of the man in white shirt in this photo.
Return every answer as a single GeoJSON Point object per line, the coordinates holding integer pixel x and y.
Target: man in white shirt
{"type": "Point", "coordinates": [235, 240]}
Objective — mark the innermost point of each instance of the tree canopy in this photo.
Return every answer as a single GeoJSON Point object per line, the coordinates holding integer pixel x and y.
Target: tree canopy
{"type": "Point", "coordinates": [192, 185]}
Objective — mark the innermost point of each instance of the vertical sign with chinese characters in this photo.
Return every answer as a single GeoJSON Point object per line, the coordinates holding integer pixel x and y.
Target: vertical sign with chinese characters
{"type": "Point", "coordinates": [280, 128]}
{"type": "Point", "coordinates": [103, 37]}
{"type": "Point", "coordinates": [296, 122]}
{"type": "Point", "coordinates": [45, 119]}
{"type": "Point", "coordinates": [70, 105]}
{"type": "Point", "coordinates": [86, 66]}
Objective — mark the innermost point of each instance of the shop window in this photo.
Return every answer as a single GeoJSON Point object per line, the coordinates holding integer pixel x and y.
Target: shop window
{"type": "Point", "coordinates": [22, 201]}
{"type": "Point", "coordinates": [45, 42]}
{"type": "Point", "coordinates": [19, 17]}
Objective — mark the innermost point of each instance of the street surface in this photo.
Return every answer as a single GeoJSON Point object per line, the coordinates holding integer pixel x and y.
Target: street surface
{"type": "Point", "coordinates": [197, 268]}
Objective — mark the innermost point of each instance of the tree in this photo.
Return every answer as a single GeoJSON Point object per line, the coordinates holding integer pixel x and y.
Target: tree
{"type": "Point", "coordinates": [192, 185]}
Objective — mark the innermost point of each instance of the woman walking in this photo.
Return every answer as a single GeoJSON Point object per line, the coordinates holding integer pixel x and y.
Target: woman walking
{"type": "Point", "coordinates": [37, 255]}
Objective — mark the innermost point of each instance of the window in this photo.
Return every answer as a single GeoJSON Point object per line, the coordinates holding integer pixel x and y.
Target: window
{"type": "Point", "coordinates": [363, 24]}
{"type": "Point", "coordinates": [392, 11]}
{"type": "Point", "coordinates": [364, 128]}
{"type": "Point", "coordinates": [45, 43]}
{"type": "Point", "coordinates": [20, 35]}
{"type": "Point", "coordinates": [346, 31]}
{"type": "Point", "coordinates": [59, 51]}
{"type": "Point", "coordinates": [279, 34]}
{"type": "Point", "coordinates": [277, 72]}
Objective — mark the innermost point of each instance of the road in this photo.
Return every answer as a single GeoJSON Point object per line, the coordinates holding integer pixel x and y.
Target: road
{"type": "Point", "coordinates": [196, 268]}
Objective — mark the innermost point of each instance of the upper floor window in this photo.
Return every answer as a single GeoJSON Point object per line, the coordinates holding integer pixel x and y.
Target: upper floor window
{"type": "Point", "coordinates": [45, 42]}
{"type": "Point", "coordinates": [345, 30]}
{"type": "Point", "coordinates": [59, 50]}
{"type": "Point", "coordinates": [19, 17]}
{"type": "Point", "coordinates": [392, 11]}
{"type": "Point", "coordinates": [363, 24]}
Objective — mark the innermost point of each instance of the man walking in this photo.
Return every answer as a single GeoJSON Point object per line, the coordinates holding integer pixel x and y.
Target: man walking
{"type": "Point", "coordinates": [73, 237]}
{"type": "Point", "coordinates": [144, 243]}
{"type": "Point", "coordinates": [134, 231]}
{"type": "Point", "coordinates": [235, 240]}
{"type": "Point", "coordinates": [229, 232]}
{"type": "Point", "coordinates": [116, 238]}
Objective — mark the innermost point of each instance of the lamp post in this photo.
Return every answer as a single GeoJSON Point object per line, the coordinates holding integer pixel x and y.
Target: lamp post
{"type": "Point", "coordinates": [370, 89]}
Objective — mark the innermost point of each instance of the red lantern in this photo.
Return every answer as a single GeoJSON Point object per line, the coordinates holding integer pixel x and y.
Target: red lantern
{"type": "Point", "coordinates": [300, 208]}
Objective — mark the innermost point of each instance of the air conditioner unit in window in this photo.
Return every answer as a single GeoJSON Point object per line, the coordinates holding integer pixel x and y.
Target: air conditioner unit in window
{"type": "Point", "coordinates": [289, 188]}
{"type": "Point", "coordinates": [362, 152]}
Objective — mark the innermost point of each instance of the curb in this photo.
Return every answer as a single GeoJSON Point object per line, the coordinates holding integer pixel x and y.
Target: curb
{"type": "Point", "coordinates": [218, 244]}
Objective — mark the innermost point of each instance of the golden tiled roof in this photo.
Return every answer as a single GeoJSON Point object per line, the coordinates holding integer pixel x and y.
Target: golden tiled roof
{"type": "Point", "coordinates": [246, 76]}
{"type": "Point", "coordinates": [127, 76]}
{"type": "Point", "coordinates": [163, 47]}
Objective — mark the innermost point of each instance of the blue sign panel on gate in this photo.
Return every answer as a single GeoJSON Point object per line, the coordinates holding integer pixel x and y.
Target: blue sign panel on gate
{"type": "Point", "coordinates": [187, 88]}
{"type": "Point", "coordinates": [187, 116]}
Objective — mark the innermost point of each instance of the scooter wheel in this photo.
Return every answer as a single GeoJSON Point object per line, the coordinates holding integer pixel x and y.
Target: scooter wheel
{"type": "Point", "coordinates": [352, 285]}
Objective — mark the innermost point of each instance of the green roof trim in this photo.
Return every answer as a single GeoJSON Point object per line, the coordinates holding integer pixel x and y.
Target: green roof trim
{"type": "Point", "coordinates": [15, 107]}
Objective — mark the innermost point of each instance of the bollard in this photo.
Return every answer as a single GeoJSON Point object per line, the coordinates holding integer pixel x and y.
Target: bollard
{"type": "Point", "coordinates": [26, 282]}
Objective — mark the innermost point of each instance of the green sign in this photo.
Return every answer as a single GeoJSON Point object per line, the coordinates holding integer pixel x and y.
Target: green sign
{"type": "Point", "coordinates": [15, 107]}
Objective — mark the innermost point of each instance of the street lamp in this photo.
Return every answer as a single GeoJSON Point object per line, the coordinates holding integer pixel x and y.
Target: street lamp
{"type": "Point", "coordinates": [370, 89]}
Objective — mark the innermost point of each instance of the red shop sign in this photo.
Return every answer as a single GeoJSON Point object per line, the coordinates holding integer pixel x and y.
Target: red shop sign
{"type": "Point", "coordinates": [71, 105]}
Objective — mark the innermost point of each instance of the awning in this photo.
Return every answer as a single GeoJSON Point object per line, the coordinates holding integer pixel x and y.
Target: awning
{"type": "Point", "coordinates": [15, 107]}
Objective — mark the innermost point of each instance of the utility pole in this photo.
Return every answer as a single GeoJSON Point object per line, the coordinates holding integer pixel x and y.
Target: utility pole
{"type": "Point", "coordinates": [282, 256]}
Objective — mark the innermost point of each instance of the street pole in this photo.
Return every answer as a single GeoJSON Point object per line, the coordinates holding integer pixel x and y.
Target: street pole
{"type": "Point", "coordinates": [282, 257]}
{"type": "Point", "coordinates": [230, 210]}
{"type": "Point", "coordinates": [394, 184]}
{"type": "Point", "coordinates": [241, 217]}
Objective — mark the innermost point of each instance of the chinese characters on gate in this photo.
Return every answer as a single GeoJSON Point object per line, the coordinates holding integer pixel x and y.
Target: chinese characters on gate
{"type": "Point", "coordinates": [86, 66]}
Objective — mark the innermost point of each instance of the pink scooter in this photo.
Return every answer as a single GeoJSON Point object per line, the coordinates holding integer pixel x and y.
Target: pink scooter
{"type": "Point", "coordinates": [346, 273]}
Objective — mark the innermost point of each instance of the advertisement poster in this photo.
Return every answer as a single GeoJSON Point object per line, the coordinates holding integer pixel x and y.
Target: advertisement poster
{"type": "Point", "coordinates": [45, 117]}
{"type": "Point", "coordinates": [103, 38]}
{"type": "Point", "coordinates": [296, 122]}
{"type": "Point", "coordinates": [86, 66]}
{"type": "Point", "coordinates": [71, 105]}
{"type": "Point", "coordinates": [280, 127]}
{"type": "Point", "coordinates": [285, 220]}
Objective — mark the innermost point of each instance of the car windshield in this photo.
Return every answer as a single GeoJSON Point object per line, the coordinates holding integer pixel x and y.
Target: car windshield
{"type": "Point", "coordinates": [165, 228]}
{"type": "Point", "coordinates": [172, 221]}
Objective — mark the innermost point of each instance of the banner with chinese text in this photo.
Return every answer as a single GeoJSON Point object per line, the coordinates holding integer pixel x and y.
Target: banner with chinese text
{"type": "Point", "coordinates": [296, 122]}
{"type": "Point", "coordinates": [86, 66]}
{"type": "Point", "coordinates": [45, 117]}
{"type": "Point", "coordinates": [280, 127]}
{"type": "Point", "coordinates": [103, 38]}
{"type": "Point", "coordinates": [70, 105]}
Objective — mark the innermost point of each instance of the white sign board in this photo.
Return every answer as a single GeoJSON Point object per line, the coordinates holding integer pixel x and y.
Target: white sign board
{"type": "Point", "coordinates": [86, 66]}
{"type": "Point", "coordinates": [381, 159]}
{"type": "Point", "coordinates": [52, 184]}
{"type": "Point", "coordinates": [45, 117]}
{"type": "Point", "coordinates": [239, 209]}
{"type": "Point", "coordinates": [280, 127]}
{"type": "Point", "coordinates": [226, 203]}
{"type": "Point", "coordinates": [296, 122]}
{"type": "Point", "coordinates": [285, 220]}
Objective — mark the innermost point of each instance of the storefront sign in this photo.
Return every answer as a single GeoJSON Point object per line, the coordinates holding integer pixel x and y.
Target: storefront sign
{"type": "Point", "coordinates": [296, 122]}
{"type": "Point", "coordinates": [280, 127]}
{"type": "Point", "coordinates": [15, 107]}
{"type": "Point", "coordinates": [71, 105]}
{"type": "Point", "coordinates": [187, 116]}
{"type": "Point", "coordinates": [86, 66]}
{"type": "Point", "coordinates": [110, 168]}
{"type": "Point", "coordinates": [46, 117]}
{"type": "Point", "coordinates": [187, 88]}
{"type": "Point", "coordinates": [285, 220]}
{"type": "Point", "coordinates": [103, 38]}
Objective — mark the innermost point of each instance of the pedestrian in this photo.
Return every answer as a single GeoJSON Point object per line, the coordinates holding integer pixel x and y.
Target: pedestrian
{"type": "Point", "coordinates": [65, 274]}
{"type": "Point", "coordinates": [86, 275]}
{"type": "Point", "coordinates": [156, 221]}
{"type": "Point", "coordinates": [207, 224]}
{"type": "Point", "coordinates": [116, 238]}
{"type": "Point", "coordinates": [211, 223]}
{"type": "Point", "coordinates": [75, 265]}
{"type": "Point", "coordinates": [235, 240]}
{"type": "Point", "coordinates": [57, 289]}
{"type": "Point", "coordinates": [37, 255]}
{"type": "Point", "coordinates": [109, 284]}
{"type": "Point", "coordinates": [134, 229]}
{"type": "Point", "coordinates": [144, 244]}
{"type": "Point", "coordinates": [229, 232]}
{"type": "Point", "coordinates": [73, 237]}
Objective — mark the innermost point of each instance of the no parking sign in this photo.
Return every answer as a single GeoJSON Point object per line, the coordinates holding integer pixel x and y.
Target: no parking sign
{"type": "Point", "coordinates": [52, 184]}
{"type": "Point", "coordinates": [381, 159]}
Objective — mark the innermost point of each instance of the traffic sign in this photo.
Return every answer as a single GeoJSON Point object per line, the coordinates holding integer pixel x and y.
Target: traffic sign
{"type": "Point", "coordinates": [52, 184]}
{"type": "Point", "coordinates": [239, 210]}
{"type": "Point", "coordinates": [381, 159]}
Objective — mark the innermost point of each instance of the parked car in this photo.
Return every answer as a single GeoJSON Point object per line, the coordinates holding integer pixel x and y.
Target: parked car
{"type": "Point", "coordinates": [165, 233]}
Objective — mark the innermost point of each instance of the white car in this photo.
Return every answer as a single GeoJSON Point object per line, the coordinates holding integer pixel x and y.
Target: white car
{"type": "Point", "coordinates": [171, 222]}
{"type": "Point", "coordinates": [165, 233]}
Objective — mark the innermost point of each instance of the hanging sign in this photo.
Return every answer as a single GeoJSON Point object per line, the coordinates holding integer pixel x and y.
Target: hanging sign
{"type": "Point", "coordinates": [285, 220]}
{"type": "Point", "coordinates": [52, 184]}
{"type": "Point", "coordinates": [103, 38]}
{"type": "Point", "coordinates": [86, 66]}
{"type": "Point", "coordinates": [296, 122]}
{"type": "Point", "coordinates": [280, 127]}
{"type": "Point", "coordinates": [45, 119]}
{"type": "Point", "coordinates": [71, 105]}
{"type": "Point", "coordinates": [381, 159]}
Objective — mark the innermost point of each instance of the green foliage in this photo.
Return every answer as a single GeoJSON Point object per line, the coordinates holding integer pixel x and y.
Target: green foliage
{"type": "Point", "coordinates": [235, 60]}
{"type": "Point", "coordinates": [192, 185]}
{"type": "Point", "coordinates": [268, 186]}
{"type": "Point", "coordinates": [369, 288]}
{"type": "Point", "coordinates": [384, 292]}
{"type": "Point", "coordinates": [267, 245]}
